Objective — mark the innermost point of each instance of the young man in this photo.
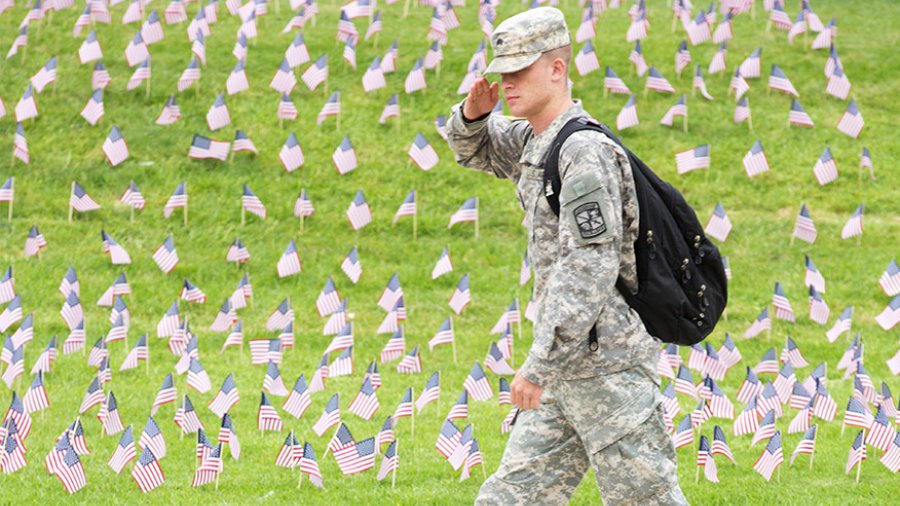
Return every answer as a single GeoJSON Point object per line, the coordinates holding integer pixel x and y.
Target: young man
{"type": "Point", "coordinates": [580, 406]}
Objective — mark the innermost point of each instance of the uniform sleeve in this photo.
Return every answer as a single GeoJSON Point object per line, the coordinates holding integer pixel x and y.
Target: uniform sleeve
{"type": "Point", "coordinates": [492, 144]}
{"type": "Point", "coordinates": [584, 275]}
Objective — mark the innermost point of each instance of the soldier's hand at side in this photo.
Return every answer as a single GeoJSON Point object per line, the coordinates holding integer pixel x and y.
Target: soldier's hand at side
{"type": "Point", "coordinates": [525, 394]}
{"type": "Point", "coordinates": [481, 99]}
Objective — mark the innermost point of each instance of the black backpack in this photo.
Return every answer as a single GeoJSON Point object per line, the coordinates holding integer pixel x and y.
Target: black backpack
{"type": "Point", "coordinates": [682, 289]}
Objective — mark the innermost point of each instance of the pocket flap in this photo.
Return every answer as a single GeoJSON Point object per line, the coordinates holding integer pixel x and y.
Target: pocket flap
{"type": "Point", "coordinates": [579, 186]}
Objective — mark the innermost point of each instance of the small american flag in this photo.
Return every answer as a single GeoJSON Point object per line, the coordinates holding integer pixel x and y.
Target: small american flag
{"type": "Point", "coordinates": [683, 58]}
{"type": "Point", "coordinates": [93, 110]}
{"type": "Point", "coordinates": [780, 82]}
{"type": "Point", "coordinates": [415, 80]}
{"type": "Point", "coordinates": [237, 80]}
{"type": "Point", "coordinates": [26, 107]}
{"type": "Point", "coordinates": [217, 117]}
{"type": "Point", "coordinates": [90, 49]}
{"type": "Point", "coordinates": [857, 452]}
{"type": "Point", "coordinates": [68, 469]}
{"type": "Point", "coordinates": [309, 466]}
{"type": "Point", "coordinates": [151, 29]}
{"type": "Point", "coordinates": [586, 60]}
{"type": "Point", "coordinates": [136, 51]}
{"type": "Point", "coordinates": [284, 80]}
{"type": "Point", "coordinates": [755, 161]}
{"type": "Point", "coordinates": [291, 155]}
{"type": "Point", "coordinates": [818, 309]}
{"type": "Point", "coordinates": [881, 432]}
{"type": "Point", "coordinates": [191, 293]}
{"type": "Point", "coordinates": [854, 225]}
{"type": "Point", "coordinates": [627, 117]}
{"type": "Point", "coordinates": [147, 473]}
{"type": "Point", "coordinates": [467, 212]}
{"type": "Point", "coordinates": [825, 169]}
{"type": "Point", "coordinates": [422, 153]}
{"type": "Point", "coordinates": [890, 279]}
{"type": "Point", "coordinates": [35, 242]}
{"type": "Point", "coordinates": [358, 212]}
{"type": "Point", "coordinates": [462, 296]}
{"type": "Point", "coordinates": [329, 300]}
{"type": "Point", "coordinates": [166, 256]}
{"type": "Point", "coordinates": [289, 263]}
{"type": "Point", "coordinates": [124, 453]}
{"type": "Point", "coordinates": [272, 382]}
{"type": "Point", "coordinates": [477, 384]}
{"type": "Point", "coordinates": [267, 418]}
{"type": "Point", "coordinates": [298, 400]}
{"type": "Point", "coordinates": [841, 325]}
{"type": "Point", "coordinates": [132, 196]}
{"type": "Point", "coordinates": [718, 226]}
{"type": "Point", "coordinates": [100, 77]}
{"type": "Point", "coordinates": [170, 113]}
{"type": "Point", "coordinates": [46, 75]}
{"type": "Point", "coordinates": [344, 157]}
{"type": "Point", "coordinates": [80, 200]}
{"type": "Point", "coordinates": [190, 75]}
{"type": "Point", "coordinates": [205, 148]}
{"type": "Point", "coordinates": [678, 109]}
{"type": "Point", "coordinates": [286, 108]}
{"type": "Point", "coordinates": [408, 207]}
{"type": "Point", "coordinates": [887, 319]}
{"type": "Point", "coordinates": [614, 83]}
{"type": "Point", "coordinates": [288, 455]}
{"type": "Point", "coordinates": [838, 83]}
{"type": "Point", "coordinates": [330, 417]}
{"type": "Point", "coordinates": [638, 28]}
{"type": "Point", "coordinates": [865, 162]}
{"type": "Point", "coordinates": [411, 363]}
{"type": "Point", "coordinates": [280, 318]}
{"type": "Point", "coordinates": [851, 122]}
{"type": "Point", "coordinates": [316, 74]}
{"type": "Point", "coordinates": [199, 46]}
{"type": "Point", "coordinates": [197, 378]}
{"type": "Point", "coordinates": [375, 25]}
{"type": "Point", "coordinates": [139, 352]}
{"type": "Point", "coordinates": [700, 84]}
{"type": "Point", "coordinates": [243, 143]}
{"type": "Point", "coordinates": [332, 107]}
{"type": "Point", "coordinates": [350, 52]}
{"type": "Point", "coordinates": [389, 61]}
{"type": "Point", "coordinates": [656, 82]}
{"type": "Point", "coordinates": [36, 398]}
{"type": "Point", "coordinates": [342, 365]}
{"type": "Point", "coordinates": [365, 404]}
{"type": "Point", "coordinates": [351, 266]}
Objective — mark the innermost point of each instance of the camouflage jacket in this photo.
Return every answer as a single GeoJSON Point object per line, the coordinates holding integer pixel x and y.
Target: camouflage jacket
{"type": "Point", "coordinates": [578, 256]}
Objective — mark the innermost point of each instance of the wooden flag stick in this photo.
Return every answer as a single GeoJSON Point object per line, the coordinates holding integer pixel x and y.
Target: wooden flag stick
{"type": "Point", "coordinates": [858, 468]}
{"type": "Point", "coordinates": [71, 210]}
{"type": "Point", "coordinates": [685, 122]}
{"type": "Point", "coordinates": [811, 457]}
{"type": "Point", "coordinates": [148, 88]}
{"type": "Point", "coordinates": [454, 349]}
{"type": "Point", "coordinates": [243, 215]}
{"type": "Point", "coordinates": [12, 187]}
{"type": "Point", "coordinates": [476, 219]}
{"type": "Point", "coordinates": [406, 9]}
{"type": "Point", "coordinates": [394, 472]}
{"type": "Point", "coordinates": [300, 480]}
{"type": "Point", "coordinates": [185, 212]}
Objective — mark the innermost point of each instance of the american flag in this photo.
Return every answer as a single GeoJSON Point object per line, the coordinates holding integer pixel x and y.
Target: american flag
{"type": "Point", "coordinates": [887, 319]}
{"type": "Point", "coordinates": [267, 418]}
{"type": "Point", "coordinates": [152, 438]}
{"type": "Point", "coordinates": [197, 378]}
{"type": "Point", "coordinates": [358, 212]}
{"type": "Point", "coordinates": [656, 82]}
{"type": "Point", "coordinates": [291, 155]}
{"type": "Point", "coordinates": [68, 469]}
{"type": "Point", "coordinates": [778, 17]}
{"type": "Point", "coordinates": [263, 351]}
{"type": "Point", "coordinates": [461, 296]}
{"type": "Point", "coordinates": [329, 300]}
{"type": "Point", "coordinates": [342, 365]}
{"type": "Point", "coordinates": [179, 198]}
{"type": "Point", "coordinates": [433, 57]}
{"type": "Point", "coordinates": [881, 432]}
{"type": "Point", "coordinates": [289, 263]}
{"type": "Point", "coordinates": [132, 196]}
{"type": "Point", "coordinates": [316, 74]}
{"type": "Point", "coordinates": [613, 83]}
{"type": "Point", "coordinates": [825, 169]}
{"type": "Point", "coordinates": [718, 225]}
{"type": "Point", "coordinates": [136, 51]}
{"type": "Point", "coordinates": [700, 84]}
{"type": "Point", "coordinates": [100, 77]}
{"type": "Point", "coordinates": [166, 256]}
{"type": "Point", "coordinates": [411, 363]}
{"type": "Point", "coordinates": [857, 452]}
{"type": "Point", "coordinates": [344, 157]}
{"type": "Point", "coordinates": [678, 109]}
{"type": "Point", "coordinates": [682, 57]}
{"type": "Point", "coordinates": [12, 313]}
{"type": "Point", "coordinates": [151, 29]}
{"type": "Point", "coordinates": [422, 153]}
{"type": "Point", "coordinates": [350, 52]}
{"type": "Point", "coordinates": [697, 29]}
{"type": "Point", "coordinates": [272, 382]}
{"type": "Point", "coordinates": [280, 318]}
{"type": "Point", "coordinates": [415, 80]}
{"type": "Point", "coordinates": [205, 148]}
{"type": "Point", "coordinates": [289, 455]}
{"type": "Point", "coordinates": [389, 61]}
{"type": "Point", "coordinates": [351, 266]}
{"type": "Point", "coordinates": [394, 348]}
{"type": "Point", "coordinates": [250, 202]}
{"type": "Point", "coordinates": [854, 225]}
{"type": "Point", "coordinates": [175, 12]}
{"type": "Point", "coordinates": [124, 453]}
{"type": "Point", "coordinates": [739, 85]}
{"type": "Point", "coordinates": [448, 439]}
{"type": "Point", "coordinates": [890, 279]}
{"type": "Point", "coordinates": [80, 200]}
{"type": "Point", "coordinates": [361, 457]}
{"type": "Point", "coordinates": [755, 161]}
{"type": "Point", "coordinates": [865, 162]}
{"type": "Point", "coordinates": [461, 408]}
{"type": "Point", "coordinates": [46, 75]}
{"type": "Point", "coordinates": [332, 107]}
{"type": "Point", "coordinates": [93, 110]}
{"type": "Point", "coordinates": [440, 124]}
{"type": "Point", "coordinates": [365, 404]}
{"type": "Point", "coordinates": [838, 83]}
{"type": "Point", "coordinates": [496, 361]}
{"type": "Point", "coordinates": [723, 32]}
{"type": "Point", "coordinates": [586, 60]}
{"type": "Point", "coordinates": [468, 211]}
{"type": "Point", "coordinates": [841, 325]}
{"type": "Point", "coordinates": [309, 466]}
{"type": "Point", "coordinates": [7, 191]}
{"type": "Point", "coordinates": [237, 80]}
{"type": "Point", "coordinates": [286, 108]}
{"type": "Point", "coordinates": [627, 117]}
{"type": "Point", "coordinates": [36, 398]}
{"type": "Point", "coordinates": [210, 467]}
{"type": "Point", "coordinates": [235, 337]}
{"type": "Point", "coordinates": [170, 113]}
{"type": "Point", "coordinates": [192, 293]}
{"type": "Point", "coordinates": [391, 109]}
{"type": "Point", "coordinates": [390, 462]}
{"type": "Point", "coordinates": [26, 107]}
{"type": "Point", "coordinates": [298, 400]}
{"type": "Point", "coordinates": [90, 49]}
{"type": "Point", "coordinates": [217, 117]}
{"type": "Point", "coordinates": [818, 309]}
{"type": "Point", "coordinates": [780, 82]}
{"type": "Point", "coordinates": [109, 416]}
{"type": "Point", "coordinates": [798, 27]}
{"type": "Point", "coordinates": [190, 75]}
{"type": "Point", "coordinates": [139, 352]}
{"type": "Point", "coordinates": [8, 289]}
{"type": "Point", "coordinates": [35, 242]}
{"type": "Point", "coordinates": [147, 473]}
{"type": "Point", "coordinates": [638, 28]}
{"type": "Point", "coordinates": [199, 46]}
{"type": "Point", "coordinates": [343, 340]}
{"type": "Point", "coordinates": [717, 64]}
{"type": "Point", "coordinates": [20, 147]}
{"type": "Point", "coordinates": [374, 25]}
{"type": "Point", "coordinates": [851, 122]}
{"type": "Point", "coordinates": [330, 417]}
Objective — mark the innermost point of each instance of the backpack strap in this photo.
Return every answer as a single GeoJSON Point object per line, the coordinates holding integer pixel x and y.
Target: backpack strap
{"type": "Point", "coordinates": [553, 184]}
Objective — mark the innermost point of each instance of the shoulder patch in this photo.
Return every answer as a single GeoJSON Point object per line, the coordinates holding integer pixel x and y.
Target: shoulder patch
{"type": "Point", "coordinates": [590, 220]}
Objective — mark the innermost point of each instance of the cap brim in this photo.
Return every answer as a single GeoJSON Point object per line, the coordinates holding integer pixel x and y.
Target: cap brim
{"type": "Point", "coordinates": [507, 64]}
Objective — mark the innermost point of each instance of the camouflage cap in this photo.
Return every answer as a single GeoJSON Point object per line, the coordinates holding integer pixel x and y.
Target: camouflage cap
{"type": "Point", "coordinates": [520, 40]}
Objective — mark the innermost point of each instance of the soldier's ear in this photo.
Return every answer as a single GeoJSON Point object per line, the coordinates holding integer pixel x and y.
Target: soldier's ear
{"type": "Point", "coordinates": [559, 70]}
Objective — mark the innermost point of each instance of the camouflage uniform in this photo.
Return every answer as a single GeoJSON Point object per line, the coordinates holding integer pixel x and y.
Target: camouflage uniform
{"type": "Point", "coordinates": [599, 408]}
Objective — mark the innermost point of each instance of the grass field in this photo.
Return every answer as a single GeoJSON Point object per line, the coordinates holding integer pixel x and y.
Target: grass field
{"type": "Point", "coordinates": [65, 148]}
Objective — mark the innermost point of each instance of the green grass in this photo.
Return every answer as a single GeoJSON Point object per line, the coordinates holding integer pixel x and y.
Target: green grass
{"type": "Point", "coordinates": [64, 147]}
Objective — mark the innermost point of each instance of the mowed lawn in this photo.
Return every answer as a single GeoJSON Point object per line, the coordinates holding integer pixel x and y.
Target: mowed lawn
{"type": "Point", "coordinates": [64, 148]}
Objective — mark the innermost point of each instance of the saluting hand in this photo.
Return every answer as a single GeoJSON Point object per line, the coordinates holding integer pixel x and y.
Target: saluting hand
{"type": "Point", "coordinates": [525, 394]}
{"type": "Point", "coordinates": [481, 99]}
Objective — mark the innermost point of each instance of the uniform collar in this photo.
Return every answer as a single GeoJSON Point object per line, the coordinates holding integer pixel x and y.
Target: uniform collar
{"type": "Point", "coordinates": [536, 149]}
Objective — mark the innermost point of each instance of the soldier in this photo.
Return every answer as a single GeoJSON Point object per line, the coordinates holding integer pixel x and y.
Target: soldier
{"type": "Point", "coordinates": [579, 406]}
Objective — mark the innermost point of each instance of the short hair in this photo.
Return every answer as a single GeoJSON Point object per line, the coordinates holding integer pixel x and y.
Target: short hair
{"type": "Point", "coordinates": [564, 52]}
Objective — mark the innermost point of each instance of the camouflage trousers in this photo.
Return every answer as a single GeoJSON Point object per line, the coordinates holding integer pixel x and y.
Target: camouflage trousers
{"type": "Point", "coordinates": [613, 423]}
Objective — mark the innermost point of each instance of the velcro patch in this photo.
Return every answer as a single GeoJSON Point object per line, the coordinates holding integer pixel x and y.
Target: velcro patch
{"type": "Point", "coordinates": [589, 219]}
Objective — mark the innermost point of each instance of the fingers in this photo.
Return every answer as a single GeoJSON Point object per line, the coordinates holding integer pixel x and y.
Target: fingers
{"type": "Point", "coordinates": [495, 92]}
